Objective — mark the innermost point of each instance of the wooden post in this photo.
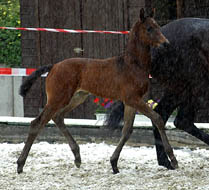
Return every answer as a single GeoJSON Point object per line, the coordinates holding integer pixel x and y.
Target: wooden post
{"type": "Point", "coordinates": [179, 5]}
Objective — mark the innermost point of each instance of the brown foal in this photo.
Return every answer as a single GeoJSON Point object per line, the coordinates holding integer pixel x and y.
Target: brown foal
{"type": "Point", "coordinates": [124, 78]}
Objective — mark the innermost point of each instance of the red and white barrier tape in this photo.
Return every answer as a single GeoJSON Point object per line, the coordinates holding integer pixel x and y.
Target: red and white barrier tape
{"type": "Point", "coordinates": [65, 30]}
{"type": "Point", "coordinates": [15, 71]}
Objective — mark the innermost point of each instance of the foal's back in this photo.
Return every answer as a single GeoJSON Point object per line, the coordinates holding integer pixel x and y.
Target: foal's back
{"type": "Point", "coordinates": [96, 76]}
{"type": "Point", "coordinates": [101, 77]}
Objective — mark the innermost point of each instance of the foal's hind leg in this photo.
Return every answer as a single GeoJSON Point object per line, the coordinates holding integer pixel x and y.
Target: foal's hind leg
{"type": "Point", "coordinates": [35, 128]}
{"type": "Point", "coordinates": [58, 118]}
{"type": "Point", "coordinates": [55, 101]}
{"type": "Point", "coordinates": [129, 115]}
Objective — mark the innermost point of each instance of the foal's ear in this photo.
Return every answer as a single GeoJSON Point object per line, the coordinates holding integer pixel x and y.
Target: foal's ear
{"type": "Point", "coordinates": [152, 14]}
{"type": "Point", "coordinates": [142, 17]}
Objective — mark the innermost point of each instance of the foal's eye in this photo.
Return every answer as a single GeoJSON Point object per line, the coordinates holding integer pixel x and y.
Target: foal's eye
{"type": "Point", "coordinates": [149, 29]}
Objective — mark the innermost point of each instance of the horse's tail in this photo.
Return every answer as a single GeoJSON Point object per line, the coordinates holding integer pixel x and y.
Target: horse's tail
{"type": "Point", "coordinates": [26, 85]}
{"type": "Point", "coordinates": [115, 116]}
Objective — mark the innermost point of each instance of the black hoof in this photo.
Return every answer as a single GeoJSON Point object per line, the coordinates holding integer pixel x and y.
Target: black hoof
{"type": "Point", "coordinates": [167, 164]}
{"type": "Point", "coordinates": [77, 163]}
{"type": "Point", "coordinates": [174, 163]}
{"type": "Point", "coordinates": [114, 166]}
{"type": "Point", "coordinates": [115, 171]}
{"type": "Point", "coordinates": [19, 170]}
{"type": "Point", "coordinates": [20, 166]}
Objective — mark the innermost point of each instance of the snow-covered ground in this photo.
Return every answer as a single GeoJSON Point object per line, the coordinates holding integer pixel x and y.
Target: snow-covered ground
{"type": "Point", "coordinates": [50, 167]}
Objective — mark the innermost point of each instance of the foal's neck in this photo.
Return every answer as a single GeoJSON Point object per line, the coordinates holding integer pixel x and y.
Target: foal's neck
{"type": "Point", "coordinates": [139, 54]}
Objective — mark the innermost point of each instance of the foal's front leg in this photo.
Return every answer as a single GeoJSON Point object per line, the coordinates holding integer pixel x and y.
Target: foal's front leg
{"type": "Point", "coordinates": [165, 107]}
{"type": "Point", "coordinates": [157, 120]}
{"type": "Point", "coordinates": [129, 115]}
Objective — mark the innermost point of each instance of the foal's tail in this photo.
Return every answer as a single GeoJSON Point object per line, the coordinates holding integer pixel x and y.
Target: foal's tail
{"type": "Point", "coordinates": [26, 85]}
{"type": "Point", "coordinates": [115, 116]}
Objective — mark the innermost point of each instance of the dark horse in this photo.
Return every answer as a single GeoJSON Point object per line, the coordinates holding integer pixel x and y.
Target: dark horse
{"type": "Point", "coordinates": [182, 69]}
{"type": "Point", "coordinates": [125, 78]}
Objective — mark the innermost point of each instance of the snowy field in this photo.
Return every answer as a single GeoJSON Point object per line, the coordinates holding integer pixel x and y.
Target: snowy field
{"type": "Point", "coordinates": [50, 167]}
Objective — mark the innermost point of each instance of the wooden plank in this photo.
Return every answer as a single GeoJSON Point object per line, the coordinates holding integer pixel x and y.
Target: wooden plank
{"type": "Point", "coordinates": [137, 3]}
{"type": "Point", "coordinates": [111, 18]}
{"type": "Point", "coordinates": [114, 21]}
{"type": "Point", "coordinates": [179, 4]}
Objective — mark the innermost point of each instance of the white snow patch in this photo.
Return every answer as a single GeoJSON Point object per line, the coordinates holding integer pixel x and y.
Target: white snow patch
{"type": "Point", "coordinates": [51, 167]}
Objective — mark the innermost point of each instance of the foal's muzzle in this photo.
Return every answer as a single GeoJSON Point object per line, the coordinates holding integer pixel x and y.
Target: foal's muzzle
{"type": "Point", "coordinates": [165, 44]}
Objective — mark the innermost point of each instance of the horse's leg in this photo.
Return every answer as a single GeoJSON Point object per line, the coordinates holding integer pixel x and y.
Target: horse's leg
{"type": "Point", "coordinates": [58, 118]}
{"type": "Point", "coordinates": [129, 114]}
{"type": "Point", "coordinates": [142, 107]}
{"type": "Point", "coordinates": [185, 121]}
{"type": "Point", "coordinates": [57, 98]}
{"type": "Point", "coordinates": [36, 126]}
{"type": "Point", "coordinates": [165, 107]}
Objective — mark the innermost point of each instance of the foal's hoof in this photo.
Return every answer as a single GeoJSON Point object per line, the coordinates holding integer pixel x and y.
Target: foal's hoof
{"type": "Point", "coordinates": [115, 170]}
{"type": "Point", "coordinates": [166, 163]}
{"type": "Point", "coordinates": [19, 169]}
{"type": "Point", "coordinates": [114, 167]}
{"type": "Point", "coordinates": [77, 163]}
{"type": "Point", "coordinates": [174, 163]}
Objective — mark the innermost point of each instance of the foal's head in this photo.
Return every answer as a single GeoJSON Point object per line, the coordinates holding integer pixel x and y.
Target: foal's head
{"type": "Point", "coordinates": [147, 31]}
